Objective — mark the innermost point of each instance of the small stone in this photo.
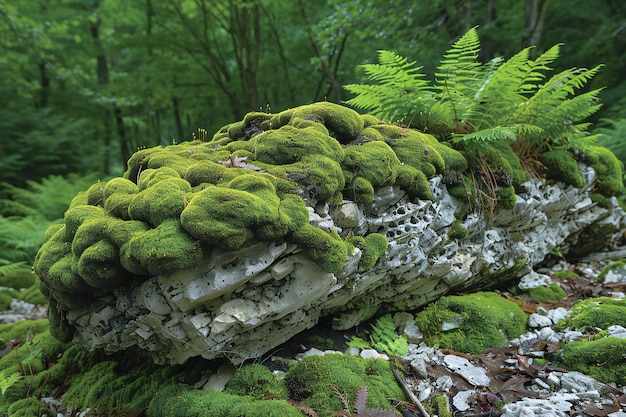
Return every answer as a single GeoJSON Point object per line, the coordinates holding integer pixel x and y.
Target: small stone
{"type": "Point", "coordinates": [553, 380]}
{"type": "Point", "coordinates": [578, 382]}
{"type": "Point", "coordinates": [531, 407]}
{"type": "Point", "coordinates": [462, 400]}
{"type": "Point", "coordinates": [548, 335]}
{"type": "Point", "coordinates": [558, 314]}
{"type": "Point", "coordinates": [541, 384]}
{"type": "Point", "coordinates": [535, 320]}
{"type": "Point", "coordinates": [348, 216]}
{"type": "Point", "coordinates": [413, 334]}
{"type": "Point", "coordinates": [218, 381]}
{"type": "Point", "coordinates": [533, 280]}
{"type": "Point", "coordinates": [571, 336]}
{"type": "Point", "coordinates": [473, 374]}
{"type": "Point", "coordinates": [418, 364]}
{"type": "Point", "coordinates": [617, 331]}
{"type": "Point", "coordinates": [372, 353]}
{"type": "Point", "coordinates": [444, 383]}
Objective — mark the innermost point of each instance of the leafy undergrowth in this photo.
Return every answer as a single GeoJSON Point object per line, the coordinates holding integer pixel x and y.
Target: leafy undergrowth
{"type": "Point", "coordinates": [41, 376]}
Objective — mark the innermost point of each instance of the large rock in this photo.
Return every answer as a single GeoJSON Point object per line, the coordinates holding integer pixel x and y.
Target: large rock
{"type": "Point", "coordinates": [242, 304]}
{"type": "Point", "coordinates": [230, 248]}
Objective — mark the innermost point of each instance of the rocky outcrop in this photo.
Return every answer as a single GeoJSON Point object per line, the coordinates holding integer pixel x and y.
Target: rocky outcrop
{"type": "Point", "coordinates": [241, 304]}
{"type": "Point", "coordinates": [232, 246]}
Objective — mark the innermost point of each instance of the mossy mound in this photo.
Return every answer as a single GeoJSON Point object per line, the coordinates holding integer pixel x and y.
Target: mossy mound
{"type": "Point", "coordinates": [602, 359]}
{"type": "Point", "coordinates": [184, 401]}
{"type": "Point", "coordinates": [608, 168]}
{"type": "Point", "coordinates": [252, 182]}
{"type": "Point", "coordinates": [600, 312]}
{"type": "Point", "coordinates": [547, 293]}
{"type": "Point", "coordinates": [471, 323]}
{"type": "Point", "coordinates": [561, 166]}
{"type": "Point", "coordinates": [311, 382]}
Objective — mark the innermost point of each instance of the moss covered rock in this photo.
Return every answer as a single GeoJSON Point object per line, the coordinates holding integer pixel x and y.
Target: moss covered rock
{"type": "Point", "coordinates": [471, 323]}
{"type": "Point", "coordinates": [602, 359]}
{"type": "Point", "coordinates": [600, 312]}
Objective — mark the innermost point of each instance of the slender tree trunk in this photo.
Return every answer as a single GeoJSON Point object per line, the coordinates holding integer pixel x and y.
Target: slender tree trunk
{"type": "Point", "coordinates": [44, 80]}
{"type": "Point", "coordinates": [177, 119]}
{"type": "Point", "coordinates": [103, 80]}
{"type": "Point", "coordinates": [245, 31]}
{"type": "Point", "coordinates": [335, 87]}
{"type": "Point", "coordinates": [534, 22]}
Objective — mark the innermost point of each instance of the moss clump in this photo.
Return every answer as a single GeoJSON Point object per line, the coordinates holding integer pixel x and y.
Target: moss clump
{"type": "Point", "coordinates": [438, 405]}
{"type": "Point", "coordinates": [253, 182]}
{"type": "Point", "coordinates": [184, 401]}
{"type": "Point", "coordinates": [547, 293]}
{"type": "Point", "coordinates": [600, 312]}
{"type": "Point", "coordinates": [561, 166]}
{"type": "Point", "coordinates": [29, 407]}
{"type": "Point", "coordinates": [608, 168]}
{"type": "Point", "coordinates": [602, 359]}
{"type": "Point", "coordinates": [108, 391]}
{"type": "Point", "coordinates": [457, 231]}
{"type": "Point", "coordinates": [312, 379]}
{"type": "Point", "coordinates": [256, 380]}
{"type": "Point", "coordinates": [372, 246]}
{"type": "Point", "coordinates": [471, 323]}
{"type": "Point", "coordinates": [565, 274]}
{"type": "Point", "coordinates": [617, 265]}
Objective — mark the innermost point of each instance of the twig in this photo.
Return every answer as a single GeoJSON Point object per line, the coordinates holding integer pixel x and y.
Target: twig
{"type": "Point", "coordinates": [408, 392]}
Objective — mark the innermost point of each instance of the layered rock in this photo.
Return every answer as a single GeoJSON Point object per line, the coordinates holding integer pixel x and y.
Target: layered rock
{"type": "Point", "coordinates": [241, 304]}
{"type": "Point", "coordinates": [231, 247]}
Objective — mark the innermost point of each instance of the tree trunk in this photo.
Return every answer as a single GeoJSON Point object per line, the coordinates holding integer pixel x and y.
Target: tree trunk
{"type": "Point", "coordinates": [534, 22]}
{"type": "Point", "coordinates": [103, 80]}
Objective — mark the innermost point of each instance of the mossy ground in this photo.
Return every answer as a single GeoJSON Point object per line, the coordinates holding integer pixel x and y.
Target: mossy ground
{"type": "Point", "coordinates": [602, 359]}
{"type": "Point", "coordinates": [478, 321]}
{"type": "Point", "coordinates": [600, 312]}
{"type": "Point", "coordinates": [547, 293]}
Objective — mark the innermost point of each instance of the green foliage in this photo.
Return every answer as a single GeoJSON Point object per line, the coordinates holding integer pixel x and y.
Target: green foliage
{"type": "Point", "coordinates": [602, 359]}
{"type": "Point", "coordinates": [547, 293]}
{"type": "Point", "coordinates": [470, 101]}
{"type": "Point", "coordinates": [600, 312]}
{"type": "Point", "coordinates": [256, 380]}
{"type": "Point", "coordinates": [184, 401]}
{"type": "Point", "coordinates": [6, 381]}
{"type": "Point", "coordinates": [311, 382]}
{"type": "Point", "coordinates": [385, 339]}
{"type": "Point", "coordinates": [471, 323]}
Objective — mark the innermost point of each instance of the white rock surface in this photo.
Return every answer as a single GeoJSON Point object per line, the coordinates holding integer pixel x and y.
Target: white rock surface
{"type": "Point", "coordinates": [245, 303]}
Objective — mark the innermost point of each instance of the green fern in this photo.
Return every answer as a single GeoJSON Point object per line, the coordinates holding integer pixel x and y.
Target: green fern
{"type": "Point", "coordinates": [385, 339]}
{"type": "Point", "coordinates": [471, 101]}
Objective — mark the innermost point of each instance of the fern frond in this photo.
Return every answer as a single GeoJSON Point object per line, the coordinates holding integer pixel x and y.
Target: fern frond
{"type": "Point", "coordinates": [9, 268]}
{"type": "Point", "coordinates": [490, 134]}
{"type": "Point", "coordinates": [402, 90]}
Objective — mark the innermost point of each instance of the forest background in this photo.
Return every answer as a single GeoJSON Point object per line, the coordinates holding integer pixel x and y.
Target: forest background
{"type": "Point", "coordinates": [84, 84]}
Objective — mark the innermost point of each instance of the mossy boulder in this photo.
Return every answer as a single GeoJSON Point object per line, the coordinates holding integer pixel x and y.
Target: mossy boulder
{"type": "Point", "coordinates": [602, 359]}
{"type": "Point", "coordinates": [600, 312]}
{"type": "Point", "coordinates": [547, 293]}
{"type": "Point", "coordinates": [471, 323]}
{"type": "Point", "coordinates": [311, 382]}
{"type": "Point", "coordinates": [561, 166]}
{"type": "Point", "coordinates": [252, 182]}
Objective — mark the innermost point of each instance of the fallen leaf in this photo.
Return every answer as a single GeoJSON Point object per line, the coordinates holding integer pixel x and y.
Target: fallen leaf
{"type": "Point", "coordinates": [515, 388]}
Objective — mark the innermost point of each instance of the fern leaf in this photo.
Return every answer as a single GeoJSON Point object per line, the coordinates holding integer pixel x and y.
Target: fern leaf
{"type": "Point", "coordinates": [490, 134]}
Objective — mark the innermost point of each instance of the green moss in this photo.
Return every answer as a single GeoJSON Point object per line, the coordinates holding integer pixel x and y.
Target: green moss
{"type": "Point", "coordinates": [343, 123]}
{"type": "Point", "coordinates": [565, 274]}
{"type": "Point", "coordinates": [250, 183]}
{"type": "Point", "coordinates": [599, 312]}
{"type": "Point", "coordinates": [547, 293]}
{"type": "Point", "coordinates": [256, 380]}
{"type": "Point", "coordinates": [184, 401]}
{"type": "Point", "coordinates": [414, 182]}
{"type": "Point", "coordinates": [617, 265]}
{"type": "Point", "coordinates": [328, 249]}
{"type": "Point", "coordinates": [602, 359]}
{"type": "Point", "coordinates": [506, 197]}
{"type": "Point", "coordinates": [561, 166]}
{"type": "Point", "coordinates": [608, 168]}
{"type": "Point", "coordinates": [457, 231]}
{"type": "Point", "coordinates": [312, 380]}
{"type": "Point", "coordinates": [372, 246]}
{"type": "Point", "coordinates": [438, 405]}
{"type": "Point", "coordinates": [29, 407]}
{"type": "Point", "coordinates": [482, 320]}
{"type": "Point", "coordinates": [6, 296]}
{"type": "Point", "coordinates": [374, 161]}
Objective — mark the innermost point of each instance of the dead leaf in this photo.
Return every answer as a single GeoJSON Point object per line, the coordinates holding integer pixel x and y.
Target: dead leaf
{"type": "Point", "coordinates": [515, 388]}
{"type": "Point", "coordinates": [594, 409]}
{"type": "Point", "coordinates": [305, 409]}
